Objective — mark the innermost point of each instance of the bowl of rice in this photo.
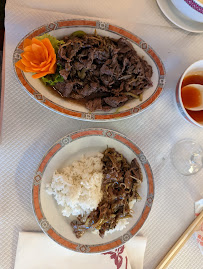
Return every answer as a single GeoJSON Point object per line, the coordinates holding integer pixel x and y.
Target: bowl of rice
{"type": "Point", "coordinates": [68, 183]}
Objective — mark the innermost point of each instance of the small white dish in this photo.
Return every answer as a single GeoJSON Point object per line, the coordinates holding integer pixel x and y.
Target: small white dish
{"type": "Point", "coordinates": [194, 68]}
{"type": "Point", "coordinates": [178, 18]}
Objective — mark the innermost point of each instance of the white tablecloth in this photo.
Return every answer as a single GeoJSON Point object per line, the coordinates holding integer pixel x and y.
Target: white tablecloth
{"type": "Point", "coordinates": [29, 129]}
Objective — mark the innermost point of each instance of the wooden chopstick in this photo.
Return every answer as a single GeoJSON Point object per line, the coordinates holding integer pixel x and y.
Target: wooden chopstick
{"type": "Point", "coordinates": [180, 243]}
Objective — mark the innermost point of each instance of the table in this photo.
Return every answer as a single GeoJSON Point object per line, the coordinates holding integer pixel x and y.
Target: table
{"type": "Point", "coordinates": [29, 129]}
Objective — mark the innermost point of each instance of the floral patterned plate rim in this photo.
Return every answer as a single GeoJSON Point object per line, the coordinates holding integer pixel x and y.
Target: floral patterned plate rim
{"type": "Point", "coordinates": [53, 101]}
{"type": "Point", "coordinates": [64, 152]}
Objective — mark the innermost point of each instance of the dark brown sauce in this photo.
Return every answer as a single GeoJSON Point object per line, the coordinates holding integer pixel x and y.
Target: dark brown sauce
{"type": "Point", "coordinates": [194, 79]}
{"type": "Point", "coordinates": [196, 115]}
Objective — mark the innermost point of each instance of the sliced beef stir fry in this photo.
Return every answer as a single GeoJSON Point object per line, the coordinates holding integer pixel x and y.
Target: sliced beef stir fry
{"type": "Point", "coordinates": [119, 186]}
{"type": "Point", "coordinates": [104, 71]}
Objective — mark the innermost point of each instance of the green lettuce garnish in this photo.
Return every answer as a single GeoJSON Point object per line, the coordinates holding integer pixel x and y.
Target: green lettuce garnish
{"type": "Point", "coordinates": [55, 42]}
{"type": "Point", "coordinates": [52, 79]}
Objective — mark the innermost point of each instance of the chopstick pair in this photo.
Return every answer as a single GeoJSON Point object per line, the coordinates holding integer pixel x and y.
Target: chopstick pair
{"type": "Point", "coordinates": [180, 243]}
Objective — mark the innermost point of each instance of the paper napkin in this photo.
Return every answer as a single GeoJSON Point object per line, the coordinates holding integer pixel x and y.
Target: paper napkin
{"type": "Point", "coordinates": [38, 251]}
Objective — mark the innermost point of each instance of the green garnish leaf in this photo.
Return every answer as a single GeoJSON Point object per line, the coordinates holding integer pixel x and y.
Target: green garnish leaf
{"type": "Point", "coordinates": [78, 33]}
{"type": "Point", "coordinates": [55, 42]}
{"type": "Point", "coordinates": [52, 79]}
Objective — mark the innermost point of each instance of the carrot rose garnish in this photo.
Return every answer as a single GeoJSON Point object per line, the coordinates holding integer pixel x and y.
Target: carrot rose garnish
{"type": "Point", "coordinates": [39, 57]}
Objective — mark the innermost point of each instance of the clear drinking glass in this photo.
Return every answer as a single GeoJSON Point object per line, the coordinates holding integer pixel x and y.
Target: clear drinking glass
{"type": "Point", "coordinates": [187, 157]}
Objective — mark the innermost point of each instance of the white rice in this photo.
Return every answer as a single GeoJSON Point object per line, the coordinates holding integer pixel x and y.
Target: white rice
{"type": "Point", "coordinates": [77, 188]}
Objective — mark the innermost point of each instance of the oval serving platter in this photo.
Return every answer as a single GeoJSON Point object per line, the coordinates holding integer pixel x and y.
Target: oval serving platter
{"type": "Point", "coordinates": [42, 93]}
{"type": "Point", "coordinates": [63, 153]}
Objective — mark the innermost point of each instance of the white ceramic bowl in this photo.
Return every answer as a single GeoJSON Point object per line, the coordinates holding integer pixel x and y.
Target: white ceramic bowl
{"type": "Point", "coordinates": [193, 9]}
{"type": "Point", "coordinates": [192, 69]}
{"type": "Point", "coordinates": [63, 153]}
{"type": "Point", "coordinates": [50, 99]}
